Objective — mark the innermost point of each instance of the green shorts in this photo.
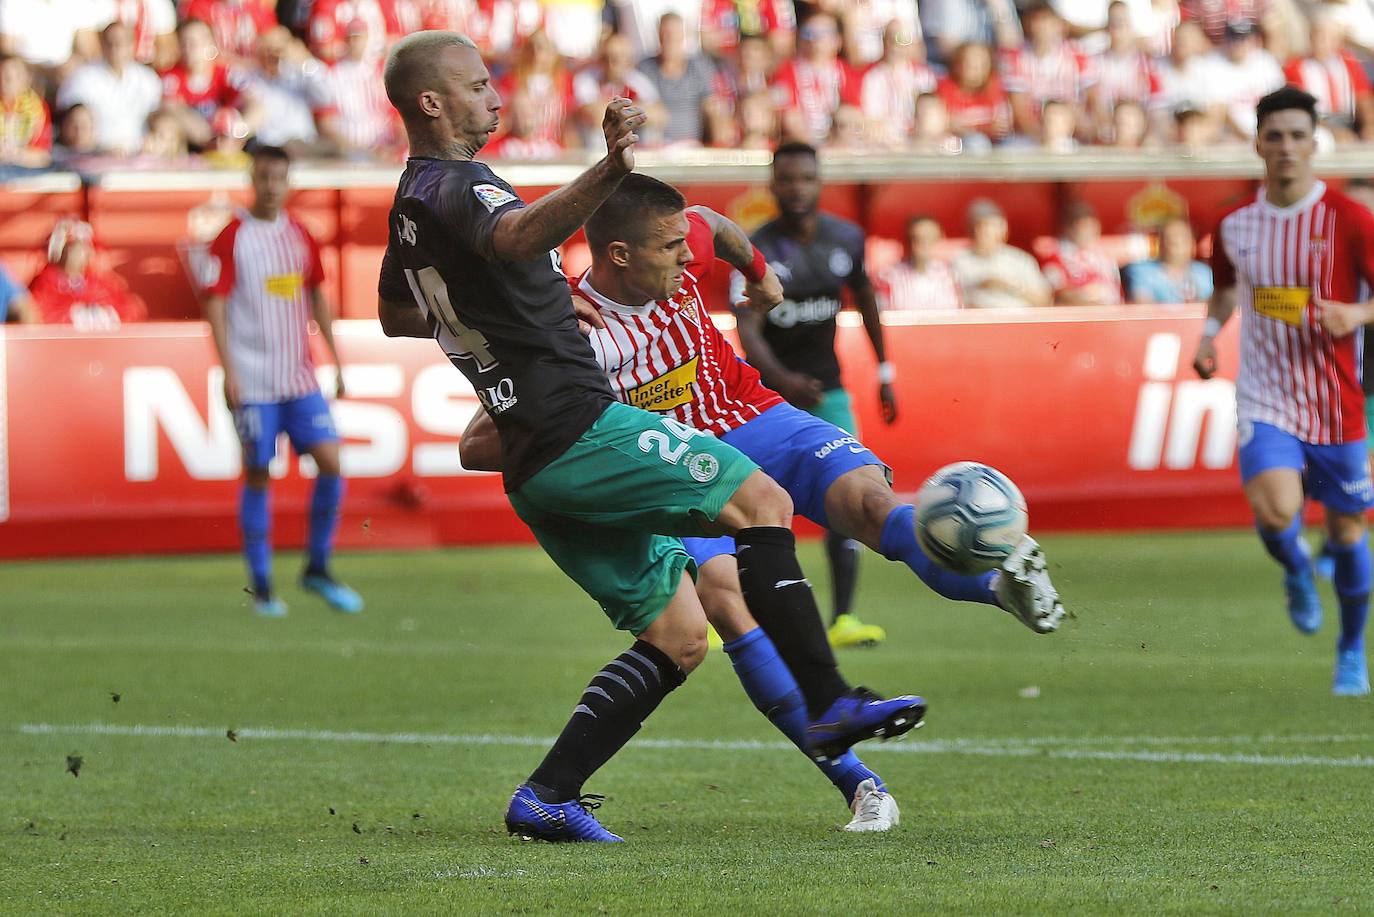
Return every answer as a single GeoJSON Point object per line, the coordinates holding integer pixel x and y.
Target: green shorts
{"type": "Point", "coordinates": [607, 508]}
{"type": "Point", "coordinates": [837, 408]}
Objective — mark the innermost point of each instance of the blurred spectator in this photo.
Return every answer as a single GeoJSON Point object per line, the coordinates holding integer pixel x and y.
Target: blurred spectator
{"type": "Point", "coordinates": [72, 289]}
{"type": "Point", "coordinates": [1176, 276]}
{"type": "Point", "coordinates": [522, 138]}
{"type": "Point", "coordinates": [993, 274]}
{"type": "Point", "coordinates": [25, 126]}
{"type": "Point", "coordinates": [614, 75]}
{"type": "Point", "coordinates": [1355, 16]}
{"type": "Point", "coordinates": [1242, 73]}
{"type": "Point", "coordinates": [153, 25]}
{"type": "Point", "coordinates": [16, 305]}
{"type": "Point", "coordinates": [1194, 129]}
{"type": "Point", "coordinates": [1046, 67]}
{"type": "Point", "coordinates": [199, 86]}
{"type": "Point", "coordinates": [641, 21]}
{"type": "Point", "coordinates": [726, 25]}
{"type": "Point", "coordinates": [1336, 78]}
{"type": "Point", "coordinates": [49, 33]}
{"type": "Point", "coordinates": [1154, 22]}
{"type": "Point", "coordinates": [758, 121]}
{"type": "Point", "coordinates": [865, 24]}
{"type": "Point", "coordinates": [1130, 129]}
{"type": "Point", "coordinates": [973, 95]}
{"type": "Point", "coordinates": [685, 84]}
{"type": "Point", "coordinates": [1215, 15]}
{"type": "Point", "coordinates": [889, 89]}
{"type": "Point", "coordinates": [1362, 190]}
{"type": "Point", "coordinates": [497, 27]}
{"type": "Point", "coordinates": [120, 92]}
{"type": "Point", "coordinates": [1184, 86]}
{"type": "Point", "coordinates": [1058, 119]}
{"type": "Point", "coordinates": [934, 133]}
{"type": "Point", "coordinates": [237, 24]}
{"type": "Point", "coordinates": [332, 23]}
{"type": "Point", "coordinates": [811, 86]}
{"type": "Point", "coordinates": [847, 130]}
{"type": "Point", "coordinates": [75, 137]}
{"type": "Point", "coordinates": [1124, 72]}
{"type": "Point", "coordinates": [1079, 271]}
{"type": "Point", "coordinates": [950, 24]}
{"type": "Point", "coordinates": [540, 74]}
{"type": "Point", "coordinates": [922, 280]}
{"type": "Point", "coordinates": [165, 141]}
{"type": "Point", "coordinates": [1084, 19]}
{"type": "Point", "coordinates": [574, 25]}
{"type": "Point", "coordinates": [289, 100]}
{"type": "Point", "coordinates": [367, 125]}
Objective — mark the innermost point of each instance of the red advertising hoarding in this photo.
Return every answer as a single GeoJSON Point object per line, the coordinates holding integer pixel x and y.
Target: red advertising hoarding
{"type": "Point", "coordinates": [122, 444]}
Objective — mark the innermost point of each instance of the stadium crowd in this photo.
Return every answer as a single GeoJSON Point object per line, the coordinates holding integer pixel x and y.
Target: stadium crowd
{"type": "Point", "coordinates": [97, 84]}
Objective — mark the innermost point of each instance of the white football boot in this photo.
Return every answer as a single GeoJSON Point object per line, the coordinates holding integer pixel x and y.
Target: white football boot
{"type": "Point", "coordinates": [874, 810]}
{"type": "Point", "coordinates": [1024, 590]}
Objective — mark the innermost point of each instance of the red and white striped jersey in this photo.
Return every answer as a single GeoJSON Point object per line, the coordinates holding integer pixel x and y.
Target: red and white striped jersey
{"type": "Point", "coordinates": [1337, 82]}
{"type": "Point", "coordinates": [267, 270]}
{"type": "Point", "coordinates": [1062, 75]}
{"type": "Point", "coordinates": [668, 356]}
{"type": "Point", "coordinates": [366, 118]}
{"type": "Point", "coordinates": [1122, 77]}
{"type": "Point", "coordinates": [1293, 374]}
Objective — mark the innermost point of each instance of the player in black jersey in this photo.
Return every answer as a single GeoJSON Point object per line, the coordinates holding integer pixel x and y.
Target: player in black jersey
{"type": "Point", "coordinates": [601, 484]}
{"type": "Point", "coordinates": [816, 256]}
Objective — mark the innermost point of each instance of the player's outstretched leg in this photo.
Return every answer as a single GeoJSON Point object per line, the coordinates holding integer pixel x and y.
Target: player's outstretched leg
{"type": "Point", "coordinates": [324, 521]}
{"type": "Point", "coordinates": [1351, 577]}
{"type": "Point", "coordinates": [1275, 495]}
{"type": "Point", "coordinates": [771, 686]}
{"type": "Point", "coordinates": [255, 524]}
{"type": "Point", "coordinates": [550, 806]}
{"type": "Point", "coordinates": [846, 629]}
{"type": "Point", "coordinates": [779, 597]}
{"type": "Point", "coordinates": [862, 502]}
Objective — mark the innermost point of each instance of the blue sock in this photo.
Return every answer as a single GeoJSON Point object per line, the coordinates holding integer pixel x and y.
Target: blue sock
{"type": "Point", "coordinates": [899, 543]}
{"type": "Point", "coordinates": [324, 519]}
{"type": "Point", "coordinates": [1354, 571]}
{"type": "Point", "coordinates": [255, 521]}
{"type": "Point", "coordinates": [1286, 546]}
{"type": "Point", "coordinates": [770, 685]}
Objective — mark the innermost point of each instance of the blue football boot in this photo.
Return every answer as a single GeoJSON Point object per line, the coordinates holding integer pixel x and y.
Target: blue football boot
{"type": "Point", "coordinates": [336, 594]}
{"type": "Point", "coordinates": [269, 606]}
{"type": "Point", "coordinates": [1352, 675]}
{"type": "Point", "coordinates": [860, 715]}
{"type": "Point", "coordinates": [532, 819]}
{"type": "Point", "coordinates": [1304, 604]}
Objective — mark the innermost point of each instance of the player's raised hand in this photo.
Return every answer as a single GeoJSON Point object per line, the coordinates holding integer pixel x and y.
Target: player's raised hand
{"type": "Point", "coordinates": [621, 124]}
{"type": "Point", "coordinates": [764, 295]}
{"type": "Point", "coordinates": [1205, 360]}
{"type": "Point", "coordinates": [887, 402]}
{"type": "Point", "coordinates": [799, 389]}
{"type": "Point", "coordinates": [339, 390]}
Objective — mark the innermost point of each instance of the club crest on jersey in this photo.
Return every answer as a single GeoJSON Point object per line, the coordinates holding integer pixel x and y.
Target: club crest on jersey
{"type": "Point", "coordinates": [1317, 245]}
{"type": "Point", "coordinates": [703, 467]}
{"type": "Point", "coordinates": [840, 263]}
{"type": "Point", "coordinates": [686, 303]}
{"type": "Point", "coordinates": [492, 197]}
{"type": "Point", "coordinates": [287, 286]}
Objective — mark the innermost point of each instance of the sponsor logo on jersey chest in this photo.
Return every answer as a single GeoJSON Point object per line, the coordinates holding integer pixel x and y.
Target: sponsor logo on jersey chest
{"type": "Point", "coordinates": [670, 390]}
{"type": "Point", "coordinates": [287, 286]}
{"type": "Point", "coordinates": [1284, 304]}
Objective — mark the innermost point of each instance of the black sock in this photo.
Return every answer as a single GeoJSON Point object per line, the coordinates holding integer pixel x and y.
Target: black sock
{"type": "Point", "coordinates": [780, 599]}
{"type": "Point", "coordinates": [618, 699]}
{"type": "Point", "coordinates": [843, 554]}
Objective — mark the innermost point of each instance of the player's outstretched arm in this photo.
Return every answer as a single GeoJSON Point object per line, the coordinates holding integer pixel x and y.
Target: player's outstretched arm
{"type": "Point", "coordinates": [216, 318]}
{"type": "Point", "coordinates": [324, 320]}
{"type": "Point", "coordinates": [798, 388]}
{"type": "Point", "coordinates": [1219, 309]}
{"type": "Point", "coordinates": [531, 232]}
{"type": "Point", "coordinates": [480, 447]}
{"type": "Point", "coordinates": [402, 320]}
{"type": "Point", "coordinates": [762, 289]}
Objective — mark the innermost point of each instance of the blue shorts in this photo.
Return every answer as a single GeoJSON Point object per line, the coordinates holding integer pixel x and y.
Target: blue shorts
{"type": "Point", "coordinates": [1337, 476]}
{"type": "Point", "coordinates": [305, 421]}
{"type": "Point", "coordinates": [803, 453]}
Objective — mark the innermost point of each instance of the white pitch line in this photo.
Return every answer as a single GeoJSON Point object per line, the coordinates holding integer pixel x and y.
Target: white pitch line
{"type": "Point", "coordinates": [996, 748]}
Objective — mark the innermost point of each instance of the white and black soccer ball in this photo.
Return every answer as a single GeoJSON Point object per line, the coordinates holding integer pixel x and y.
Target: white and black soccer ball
{"type": "Point", "coordinates": [969, 517]}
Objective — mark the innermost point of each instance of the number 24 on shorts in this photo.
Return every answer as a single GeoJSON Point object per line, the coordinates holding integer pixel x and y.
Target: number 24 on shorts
{"type": "Point", "coordinates": [702, 466]}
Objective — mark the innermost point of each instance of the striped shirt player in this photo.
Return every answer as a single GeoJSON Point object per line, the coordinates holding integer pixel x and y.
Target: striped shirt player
{"type": "Point", "coordinates": [263, 289]}
{"type": "Point", "coordinates": [1338, 82]}
{"type": "Point", "coordinates": [1293, 374]}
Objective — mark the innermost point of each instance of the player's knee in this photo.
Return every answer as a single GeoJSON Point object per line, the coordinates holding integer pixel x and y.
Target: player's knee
{"type": "Point", "coordinates": [1274, 518]}
{"type": "Point", "coordinates": [761, 501]}
{"type": "Point", "coordinates": [1345, 529]}
{"type": "Point", "coordinates": [327, 461]}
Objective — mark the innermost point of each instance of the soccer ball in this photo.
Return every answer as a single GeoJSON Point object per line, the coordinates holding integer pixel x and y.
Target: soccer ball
{"type": "Point", "coordinates": [969, 517]}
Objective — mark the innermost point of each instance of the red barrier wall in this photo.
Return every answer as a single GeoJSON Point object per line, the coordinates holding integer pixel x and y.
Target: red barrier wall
{"type": "Point", "coordinates": [122, 444]}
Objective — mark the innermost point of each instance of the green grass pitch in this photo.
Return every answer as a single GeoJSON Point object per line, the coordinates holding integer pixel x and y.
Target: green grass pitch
{"type": "Point", "coordinates": [1175, 749]}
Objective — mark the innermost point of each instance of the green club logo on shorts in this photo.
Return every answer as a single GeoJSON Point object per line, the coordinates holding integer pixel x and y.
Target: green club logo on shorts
{"type": "Point", "coordinates": [703, 467]}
